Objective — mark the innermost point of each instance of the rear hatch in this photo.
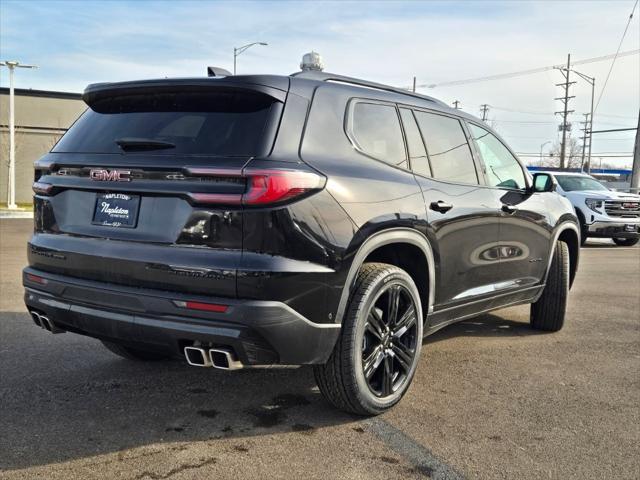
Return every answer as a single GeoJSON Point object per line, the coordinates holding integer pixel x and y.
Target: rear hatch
{"type": "Point", "coordinates": [145, 189]}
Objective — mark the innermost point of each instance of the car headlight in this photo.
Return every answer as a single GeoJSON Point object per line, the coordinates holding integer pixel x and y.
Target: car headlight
{"type": "Point", "coordinates": [594, 204]}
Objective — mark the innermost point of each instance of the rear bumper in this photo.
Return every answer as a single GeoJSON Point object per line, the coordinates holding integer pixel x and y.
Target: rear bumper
{"type": "Point", "coordinates": [259, 332]}
{"type": "Point", "coordinates": [617, 229]}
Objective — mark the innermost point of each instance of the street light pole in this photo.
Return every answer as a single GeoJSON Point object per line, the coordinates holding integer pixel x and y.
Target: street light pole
{"type": "Point", "coordinates": [11, 191]}
{"type": "Point", "coordinates": [238, 50]}
{"type": "Point", "coordinates": [541, 147]}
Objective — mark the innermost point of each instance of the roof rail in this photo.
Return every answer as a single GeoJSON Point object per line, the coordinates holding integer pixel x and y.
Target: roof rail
{"type": "Point", "coordinates": [332, 77]}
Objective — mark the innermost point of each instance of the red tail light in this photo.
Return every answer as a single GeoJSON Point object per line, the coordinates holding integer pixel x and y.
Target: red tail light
{"type": "Point", "coordinates": [264, 187]}
{"type": "Point", "coordinates": [41, 188]}
{"type": "Point", "coordinates": [272, 186]}
{"type": "Point", "coordinates": [36, 279]}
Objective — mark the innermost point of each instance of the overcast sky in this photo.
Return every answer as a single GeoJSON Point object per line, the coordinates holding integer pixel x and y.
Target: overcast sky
{"type": "Point", "coordinates": [80, 42]}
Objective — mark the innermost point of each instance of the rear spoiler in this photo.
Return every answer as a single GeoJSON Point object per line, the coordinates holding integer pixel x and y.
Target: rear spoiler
{"type": "Point", "coordinates": [273, 86]}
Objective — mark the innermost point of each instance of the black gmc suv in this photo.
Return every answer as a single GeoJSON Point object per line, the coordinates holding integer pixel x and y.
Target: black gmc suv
{"type": "Point", "coordinates": [317, 219]}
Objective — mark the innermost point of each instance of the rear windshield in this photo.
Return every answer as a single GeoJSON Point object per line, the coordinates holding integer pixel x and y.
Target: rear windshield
{"type": "Point", "coordinates": [212, 123]}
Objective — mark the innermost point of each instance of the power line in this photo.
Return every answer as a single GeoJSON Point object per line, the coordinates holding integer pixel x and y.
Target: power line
{"type": "Point", "coordinates": [616, 55]}
{"type": "Point", "coordinates": [529, 112]}
{"type": "Point", "coordinates": [525, 122]}
{"type": "Point", "coordinates": [549, 113]}
{"type": "Point", "coordinates": [599, 154]}
{"type": "Point", "coordinates": [524, 72]}
{"type": "Point", "coordinates": [537, 155]}
{"type": "Point", "coordinates": [540, 122]}
{"type": "Point", "coordinates": [615, 116]}
{"type": "Point", "coordinates": [616, 130]}
{"type": "Point", "coordinates": [545, 137]}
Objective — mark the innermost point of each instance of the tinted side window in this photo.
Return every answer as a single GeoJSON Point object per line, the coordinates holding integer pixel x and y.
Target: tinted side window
{"type": "Point", "coordinates": [417, 152]}
{"type": "Point", "coordinates": [376, 131]}
{"type": "Point", "coordinates": [503, 170]}
{"type": "Point", "coordinates": [447, 147]}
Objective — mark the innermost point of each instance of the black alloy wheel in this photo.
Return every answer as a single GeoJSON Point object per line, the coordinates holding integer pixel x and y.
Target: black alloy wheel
{"type": "Point", "coordinates": [389, 340]}
{"type": "Point", "coordinates": [376, 356]}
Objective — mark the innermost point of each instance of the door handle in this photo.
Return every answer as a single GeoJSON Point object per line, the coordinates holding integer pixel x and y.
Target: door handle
{"type": "Point", "coordinates": [441, 206]}
{"type": "Point", "coordinates": [509, 208]}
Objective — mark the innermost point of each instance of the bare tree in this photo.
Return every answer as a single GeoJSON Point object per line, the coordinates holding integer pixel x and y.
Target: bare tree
{"type": "Point", "coordinates": [4, 156]}
{"type": "Point", "coordinates": [573, 154]}
{"type": "Point", "coordinates": [4, 145]}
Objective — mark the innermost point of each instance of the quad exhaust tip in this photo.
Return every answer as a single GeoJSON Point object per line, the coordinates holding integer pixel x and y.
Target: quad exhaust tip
{"type": "Point", "coordinates": [224, 359]}
{"type": "Point", "coordinates": [220, 358]}
{"type": "Point", "coordinates": [43, 321]}
{"type": "Point", "coordinates": [36, 319]}
{"type": "Point", "coordinates": [197, 357]}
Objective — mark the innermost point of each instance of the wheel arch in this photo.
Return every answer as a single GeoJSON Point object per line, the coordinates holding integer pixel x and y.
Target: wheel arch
{"type": "Point", "coordinates": [404, 247]}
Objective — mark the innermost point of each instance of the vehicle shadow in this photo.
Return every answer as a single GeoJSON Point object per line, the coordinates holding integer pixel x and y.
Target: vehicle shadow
{"type": "Point", "coordinates": [66, 397]}
{"type": "Point", "coordinates": [486, 325]}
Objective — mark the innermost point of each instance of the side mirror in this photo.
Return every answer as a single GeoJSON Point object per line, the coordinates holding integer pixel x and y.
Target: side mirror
{"type": "Point", "coordinates": [543, 182]}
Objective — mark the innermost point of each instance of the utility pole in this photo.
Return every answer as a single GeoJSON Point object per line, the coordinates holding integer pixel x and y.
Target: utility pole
{"type": "Point", "coordinates": [635, 172]}
{"type": "Point", "coordinates": [565, 111]}
{"type": "Point", "coordinates": [585, 136]}
{"type": "Point", "coordinates": [11, 191]}
{"type": "Point", "coordinates": [484, 109]}
{"type": "Point", "coordinates": [414, 84]}
{"type": "Point", "coordinates": [456, 104]}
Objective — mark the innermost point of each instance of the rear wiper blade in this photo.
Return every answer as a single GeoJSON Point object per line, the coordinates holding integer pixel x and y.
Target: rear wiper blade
{"type": "Point", "coordinates": [135, 143]}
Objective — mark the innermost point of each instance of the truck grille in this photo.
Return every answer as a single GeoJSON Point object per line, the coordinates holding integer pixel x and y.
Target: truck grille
{"type": "Point", "coordinates": [621, 208]}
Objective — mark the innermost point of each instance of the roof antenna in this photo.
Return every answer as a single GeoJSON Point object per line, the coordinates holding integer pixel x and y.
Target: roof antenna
{"type": "Point", "coordinates": [218, 72]}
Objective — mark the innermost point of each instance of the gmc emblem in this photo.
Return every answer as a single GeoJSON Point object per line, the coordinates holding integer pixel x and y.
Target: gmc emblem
{"type": "Point", "coordinates": [101, 175]}
{"type": "Point", "coordinates": [631, 206]}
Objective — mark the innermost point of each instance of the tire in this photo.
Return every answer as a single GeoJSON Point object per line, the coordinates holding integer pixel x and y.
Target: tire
{"type": "Point", "coordinates": [549, 311]}
{"type": "Point", "coordinates": [625, 242]}
{"type": "Point", "coordinates": [376, 341]}
{"type": "Point", "coordinates": [583, 235]}
{"type": "Point", "coordinates": [133, 353]}
{"type": "Point", "coordinates": [583, 228]}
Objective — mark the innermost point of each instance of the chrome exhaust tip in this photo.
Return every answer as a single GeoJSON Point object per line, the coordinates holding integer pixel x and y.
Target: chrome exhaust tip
{"type": "Point", "coordinates": [46, 323]}
{"type": "Point", "coordinates": [197, 357]}
{"type": "Point", "coordinates": [36, 318]}
{"type": "Point", "coordinates": [49, 325]}
{"type": "Point", "coordinates": [224, 359]}
{"type": "Point", "coordinates": [41, 320]}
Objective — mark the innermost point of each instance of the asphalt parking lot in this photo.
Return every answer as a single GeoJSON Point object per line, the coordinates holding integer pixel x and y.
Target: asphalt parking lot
{"type": "Point", "coordinates": [491, 399]}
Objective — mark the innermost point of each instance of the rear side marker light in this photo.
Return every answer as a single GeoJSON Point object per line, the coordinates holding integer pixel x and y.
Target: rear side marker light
{"type": "Point", "coordinates": [205, 307]}
{"type": "Point", "coordinates": [264, 187]}
{"type": "Point", "coordinates": [42, 188]}
{"type": "Point", "coordinates": [36, 279]}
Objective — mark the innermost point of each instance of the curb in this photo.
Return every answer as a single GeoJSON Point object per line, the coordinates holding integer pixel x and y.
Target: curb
{"type": "Point", "coordinates": [5, 213]}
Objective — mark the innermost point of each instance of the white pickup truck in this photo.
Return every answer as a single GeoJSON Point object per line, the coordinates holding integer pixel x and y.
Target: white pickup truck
{"type": "Point", "coordinates": [602, 212]}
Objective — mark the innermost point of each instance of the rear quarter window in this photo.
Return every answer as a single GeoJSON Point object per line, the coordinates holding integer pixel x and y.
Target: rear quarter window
{"type": "Point", "coordinates": [374, 128]}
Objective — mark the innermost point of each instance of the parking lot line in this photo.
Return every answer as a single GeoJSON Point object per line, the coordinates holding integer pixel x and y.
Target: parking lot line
{"type": "Point", "coordinates": [421, 457]}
